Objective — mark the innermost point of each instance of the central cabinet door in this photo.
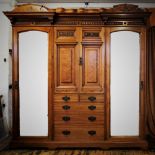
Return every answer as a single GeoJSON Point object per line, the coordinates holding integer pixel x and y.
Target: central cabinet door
{"type": "Point", "coordinates": [66, 61]}
{"type": "Point", "coordinates": [92, 57]}
{"type": "Point", "coordinates": [92, 78]}
{"type": "Point", "coordinates": [66, 72]}
{"type": "Point", "coordinates": [79, 81]}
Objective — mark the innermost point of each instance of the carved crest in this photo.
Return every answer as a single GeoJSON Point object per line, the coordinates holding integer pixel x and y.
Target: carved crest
{"type": "Point", "coordinates": [127, 8]}
{"type": "Point", "coordinates": [30, 8]}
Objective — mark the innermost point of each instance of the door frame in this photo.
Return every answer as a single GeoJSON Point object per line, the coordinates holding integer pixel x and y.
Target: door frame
{"type": "Point", "coordinates": [142, 95]}
{"type": "Point", "coordinates": [15, 82]}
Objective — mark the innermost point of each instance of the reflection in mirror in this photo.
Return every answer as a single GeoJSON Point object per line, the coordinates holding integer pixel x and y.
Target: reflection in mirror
{"type": "Point", "coordinates": [124, 83]}
{"type": "Point", "coordinates": [33, 83]}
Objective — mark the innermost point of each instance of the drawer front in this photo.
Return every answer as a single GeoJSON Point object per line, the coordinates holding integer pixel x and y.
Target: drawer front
{"type": "Point", "coordinates": [79, 107]}
{"type": "Point", "coordinates": [82, 118]}
{"type": "Point", "coordinates": [92, 98]}
{"type": "Point", "coordinates": [64, 133]}
{"type": "Point", "coordinates": [66, 98]}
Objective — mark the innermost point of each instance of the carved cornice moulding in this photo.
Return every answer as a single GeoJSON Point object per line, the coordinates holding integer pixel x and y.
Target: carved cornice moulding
{"type": "Point", "coordinates": [41, 8]}
{"type": "Point", "coordinates": [119, 15]}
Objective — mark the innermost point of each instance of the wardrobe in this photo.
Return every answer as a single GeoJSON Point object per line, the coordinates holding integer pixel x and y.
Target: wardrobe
{"type": "Point", "coordinates": [79, 76]}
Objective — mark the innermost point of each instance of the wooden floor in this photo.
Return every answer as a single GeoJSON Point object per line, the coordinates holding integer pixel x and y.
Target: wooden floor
{"type": "Point", "coordinates": [76, 152]}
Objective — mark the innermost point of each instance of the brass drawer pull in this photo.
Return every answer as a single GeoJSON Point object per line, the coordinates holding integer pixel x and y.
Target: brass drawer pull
{"type": "Point", "coordinates": [91, 98]}
{"type": "Point", "coordinates": [92, 107]}
{"type": "Point", "coordinates": [92, 133]}
{"type": "Point", "coordinates": [66, 132]}
{"type": "Point", "coordinates": [66, 107]}
{"type": "Point", "coordinates": [92, 118]}
{"type": "Point", "coordinates": [66, 118]}
{"type": "Point", "coordinates": [66, 98]}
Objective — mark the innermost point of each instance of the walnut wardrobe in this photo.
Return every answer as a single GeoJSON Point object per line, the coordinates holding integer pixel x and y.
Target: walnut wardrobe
{"type": "Point", "coordinates": [79, 76]}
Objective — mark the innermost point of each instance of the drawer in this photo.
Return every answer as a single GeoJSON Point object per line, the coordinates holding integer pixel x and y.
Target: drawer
{"type": "Point", "coordinates": [66, 98]}
{"type": "Point", "coordinates": [81, 118]}
{"type": "Point", "coordinates": [92, 98]}
{"type": "Point", "coordinates": [63, 133]}
{"type": "Point", "coordinates": [76, 107]}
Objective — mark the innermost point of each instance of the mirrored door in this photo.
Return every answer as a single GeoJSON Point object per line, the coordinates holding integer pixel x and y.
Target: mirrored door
{"type": "Point", "coordinates": [33, 83]}
{"type": "Point", "coordinates": [125, 82]}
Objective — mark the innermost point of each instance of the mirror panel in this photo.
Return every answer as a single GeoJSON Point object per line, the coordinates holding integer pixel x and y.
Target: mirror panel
{"type": "Point", "coordinates": [33, 83]}
{"type": "Point", "coordinates": [124, 83]}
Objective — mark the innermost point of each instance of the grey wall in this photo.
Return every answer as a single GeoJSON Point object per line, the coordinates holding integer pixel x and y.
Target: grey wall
{"type": "Point", "coordinates": [5, 44]}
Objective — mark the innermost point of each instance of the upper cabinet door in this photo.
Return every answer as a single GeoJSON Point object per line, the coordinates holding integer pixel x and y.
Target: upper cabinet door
{"type": "Point", "coordinates": [66, 63]}
{"type": "Point", "coordinates": [79, 60]}
{"type": "Point", "coordinates": [92, 69]}
{"type": "Point", "coordinates": [66, 68]}
{"type": "Point", "coordinates": [92, 66]}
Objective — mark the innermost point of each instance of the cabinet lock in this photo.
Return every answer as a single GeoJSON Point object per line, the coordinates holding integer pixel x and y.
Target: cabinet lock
{"type": "Point", "coordinates": [16, 85]}
{"type": "Point", "coordinates": [141, 84]}
{"type": "Point", "coordinates": [81, 61]}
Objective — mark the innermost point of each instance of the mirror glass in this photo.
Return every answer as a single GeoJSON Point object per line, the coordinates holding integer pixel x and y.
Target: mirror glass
{"type": "Point", "coordinates": [33, 83]}
{"type": "Point", "coordinates": [124, 83]}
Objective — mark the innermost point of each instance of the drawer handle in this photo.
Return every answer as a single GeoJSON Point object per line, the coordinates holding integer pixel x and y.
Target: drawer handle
{"type": "Point", "coordinates": [92, 118]}
{"type": "Point", "coordinates": [92, 133]}
{"type": "Point", "coordinates": [66, 118]}
{"type": "Point", "coordinates": [91, 98]}
{"type": "Point", "coordinates": [92, 107]}
{"type": "Point", "coordinates": [66, 132]}
{"type": "Point", "coordinates": [66, 98]}
{"type": "Point", "coordinates": [66, 107]}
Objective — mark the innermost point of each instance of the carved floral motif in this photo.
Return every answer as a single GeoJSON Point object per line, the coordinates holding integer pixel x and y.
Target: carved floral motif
{"type": "Point", "coordinates": [65, 33]}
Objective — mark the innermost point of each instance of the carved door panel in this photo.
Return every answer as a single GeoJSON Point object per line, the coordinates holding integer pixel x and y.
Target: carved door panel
{"type": "Point", "coordinates": [92, 69]}
{"type": "Point", "coordinates": [66, 68]}
{"type": "Point", "coordinates": [92, 78]}
{"type": "Point", "coordinates": [66, 60]}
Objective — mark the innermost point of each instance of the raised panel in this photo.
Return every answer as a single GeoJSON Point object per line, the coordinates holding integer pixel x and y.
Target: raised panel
{"type": "Point", "coordinates": [66, 61]}
{"type": "Point", "coordinates": [66, 68]}
{"type": "Point", "coordinates": [92, 69]}
{"type": "Point", "coordinates": [91, 66]}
